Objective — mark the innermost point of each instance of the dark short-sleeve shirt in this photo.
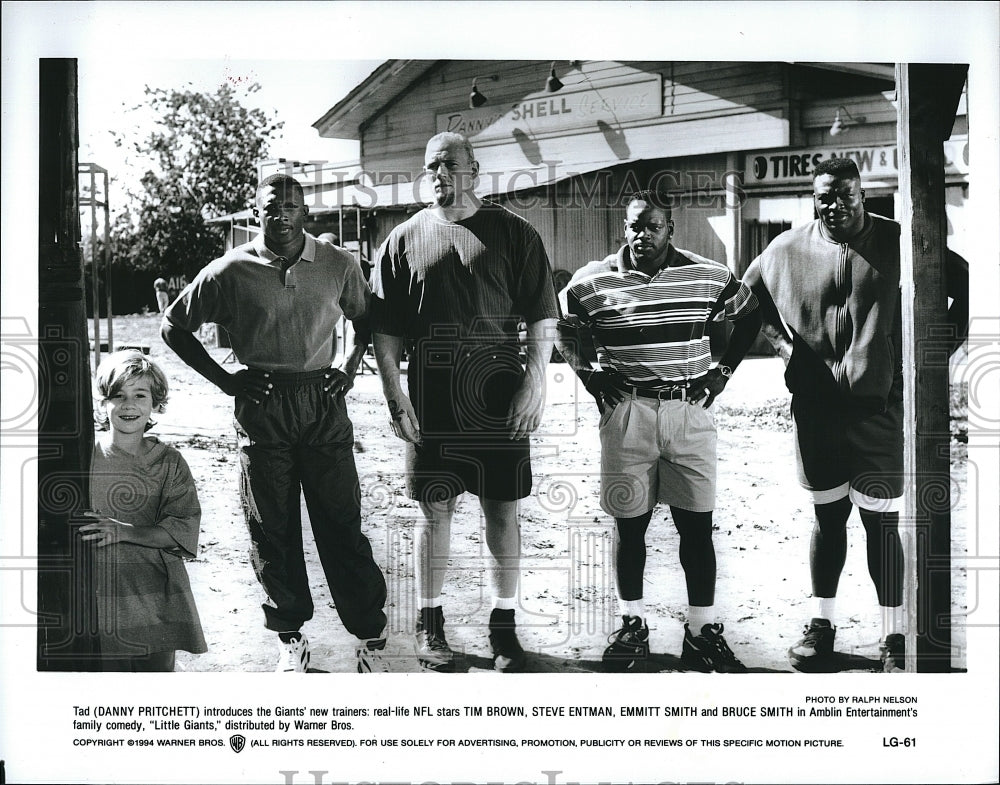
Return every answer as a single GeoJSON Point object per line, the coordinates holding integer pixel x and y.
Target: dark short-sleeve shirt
{"type": "Point", "coordinates": [277, 321]}
{"type": "Point", "coordinates": [468, 280]}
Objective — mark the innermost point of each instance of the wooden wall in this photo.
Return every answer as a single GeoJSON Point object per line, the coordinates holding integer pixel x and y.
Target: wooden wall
{"type": "Point", "coordinates": [394, 138]}
{"type": "Point", "coordinates": [707, 107]}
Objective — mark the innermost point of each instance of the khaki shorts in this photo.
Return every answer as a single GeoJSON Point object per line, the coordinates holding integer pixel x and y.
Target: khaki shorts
{"type": "Point", "coordinates": [657, 451]}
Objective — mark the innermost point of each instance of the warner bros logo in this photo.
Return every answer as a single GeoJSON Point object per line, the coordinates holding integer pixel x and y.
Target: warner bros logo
{"type": "Point", "coordinates": [237, 741]}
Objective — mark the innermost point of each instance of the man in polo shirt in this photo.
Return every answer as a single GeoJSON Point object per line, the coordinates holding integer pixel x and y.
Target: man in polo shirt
{"type": "Point", "coordinates": [280, 297]}
{"type": "Point", "coordinates": [647, 308]}
{"type": "Point", "coordinates": [453, 282]}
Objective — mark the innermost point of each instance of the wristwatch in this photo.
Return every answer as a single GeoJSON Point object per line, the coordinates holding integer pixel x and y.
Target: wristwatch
{"type": "Point", "coordinates": [725, 370]}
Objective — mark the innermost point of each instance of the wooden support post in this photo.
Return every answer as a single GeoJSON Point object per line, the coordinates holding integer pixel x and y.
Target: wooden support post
{"type": "Point", "coordinates": [357, 229]}
{"type": "Point", "coordinates": [733, 186]}
{"type": "Point", "coordinates": [928, 96]}
{"type": "Point", "coordinates": [67, 621]}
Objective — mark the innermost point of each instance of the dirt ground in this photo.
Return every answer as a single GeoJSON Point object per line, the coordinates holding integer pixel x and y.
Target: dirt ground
{"type": "Point", "coordinates": [567, 594]}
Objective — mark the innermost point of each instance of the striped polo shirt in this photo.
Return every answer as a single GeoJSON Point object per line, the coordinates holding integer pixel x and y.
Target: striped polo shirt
{"type": "Point", "coordinates": [653, 329]}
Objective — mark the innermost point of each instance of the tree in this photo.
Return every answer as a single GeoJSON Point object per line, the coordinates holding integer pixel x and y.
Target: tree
{"type": "Point", "coordinates": [200, 162]}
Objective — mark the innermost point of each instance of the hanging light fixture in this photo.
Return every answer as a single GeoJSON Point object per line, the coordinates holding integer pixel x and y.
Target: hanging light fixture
{"type": "Point", "coordinates": [552, 84]}
{"type": "Point", "coordinates": [840, 126]}
{"type": "Point", "coordinates": [476, 98]}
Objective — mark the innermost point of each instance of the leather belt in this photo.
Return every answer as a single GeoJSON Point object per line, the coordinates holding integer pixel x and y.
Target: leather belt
{"type": "Point", "coordinates": [675, 392]}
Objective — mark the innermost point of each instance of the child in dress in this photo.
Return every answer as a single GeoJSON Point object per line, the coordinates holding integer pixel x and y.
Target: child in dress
{"type": "Point", "coordinates": [146, 522]}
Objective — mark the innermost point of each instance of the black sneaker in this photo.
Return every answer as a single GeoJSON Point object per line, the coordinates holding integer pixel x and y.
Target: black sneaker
{"type": "Point", "coordinates": [433, 651]}
{"type": "Point", "coordinates": [709, 651]}
{"type": "Point", "coordinates": [629, 645]}
{"type": "Point", "coordinates": [893, 653]}
{"type": "Point", "coordinates": [814, 653]}
{"type": "Point", "coordinates": [508, 656]}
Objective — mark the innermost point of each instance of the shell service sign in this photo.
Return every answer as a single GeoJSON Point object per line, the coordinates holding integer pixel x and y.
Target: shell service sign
{"type": "Point", "coordinates": [571, 109]}
{"type": "Point", "coordinates": [778, 167]}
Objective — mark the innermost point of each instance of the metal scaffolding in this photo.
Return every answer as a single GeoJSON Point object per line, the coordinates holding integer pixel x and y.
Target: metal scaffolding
{"type": "Point", "coordinates": [93, 200]}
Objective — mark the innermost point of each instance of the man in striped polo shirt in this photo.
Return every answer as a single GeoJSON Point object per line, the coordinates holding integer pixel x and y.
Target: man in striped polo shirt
{"type": "Point", "coordinates": [647, 308]}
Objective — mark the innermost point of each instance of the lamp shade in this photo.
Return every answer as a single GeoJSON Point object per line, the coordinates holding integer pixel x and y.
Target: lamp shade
{"type": "Point", "coordinates": [552, 84]}
{"type": "Point", "coordinates": [476, 98]}
{"type": "Point", "coordinates": [838, 127]}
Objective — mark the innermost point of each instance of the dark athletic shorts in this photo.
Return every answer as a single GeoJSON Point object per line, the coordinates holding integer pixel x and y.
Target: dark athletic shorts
{"type": "Point", "coordinates": [461, 396]}
{"type": "Point", "coordinates": [846, 451]}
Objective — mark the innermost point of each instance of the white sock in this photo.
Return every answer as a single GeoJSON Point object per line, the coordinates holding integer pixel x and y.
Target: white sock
{"type": "Point", "coordinates": [634, 608]}
{"type": "Point", "coordinates": [825, 608]}
{"type": "Point", "coordinates": [433, 602]}
{"type": "Point", "coordinates": [504, 603]}
{"type": "Point", "coordinates": [699, 616]}
{"type": "Point", "coordinates": [892, 620]}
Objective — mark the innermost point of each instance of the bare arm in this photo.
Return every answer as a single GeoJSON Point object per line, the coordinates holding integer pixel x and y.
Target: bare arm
{"type": "Point", "coordinates": [775, 334]}
{"type": "Point", "coordinates": [353, 360]}
{"type": "Point", "coordinates": [388, 351]}
{"type": "Point", "coordinates": [714, 382]}
{"type": "Point", "coordinates": [742, 308]}
{"type": "Point", "coordinates": [541, 338]}
{"type": "Point", "coordinates": [190, 350]}
{"type": "Point", "coordinates": [340, 380]}
{"type": "Point", "coordinates": [355, 303]}
{"type": "Point", "coordinates": [569, 342]}
{"type": "Point", "coordinates": [744, 334]}
{"type": "Point", "coordinates": [525, 411]}
{"type": "Point", "coordinates": [575, 345]}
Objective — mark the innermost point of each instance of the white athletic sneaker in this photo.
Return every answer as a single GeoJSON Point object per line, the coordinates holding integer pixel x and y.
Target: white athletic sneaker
{"type": "Point", "coordinates": [370, 659]}
{"type": "Point", "coordinates": [294, 656]}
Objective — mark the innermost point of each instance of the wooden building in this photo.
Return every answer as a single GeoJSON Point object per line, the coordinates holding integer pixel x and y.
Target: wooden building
{"type": "Point", "coordinates": [732, 142]}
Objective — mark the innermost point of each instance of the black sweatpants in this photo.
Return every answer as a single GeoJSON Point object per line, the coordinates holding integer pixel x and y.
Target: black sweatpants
{"type": "Point", "coordinates": [301, 437]}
